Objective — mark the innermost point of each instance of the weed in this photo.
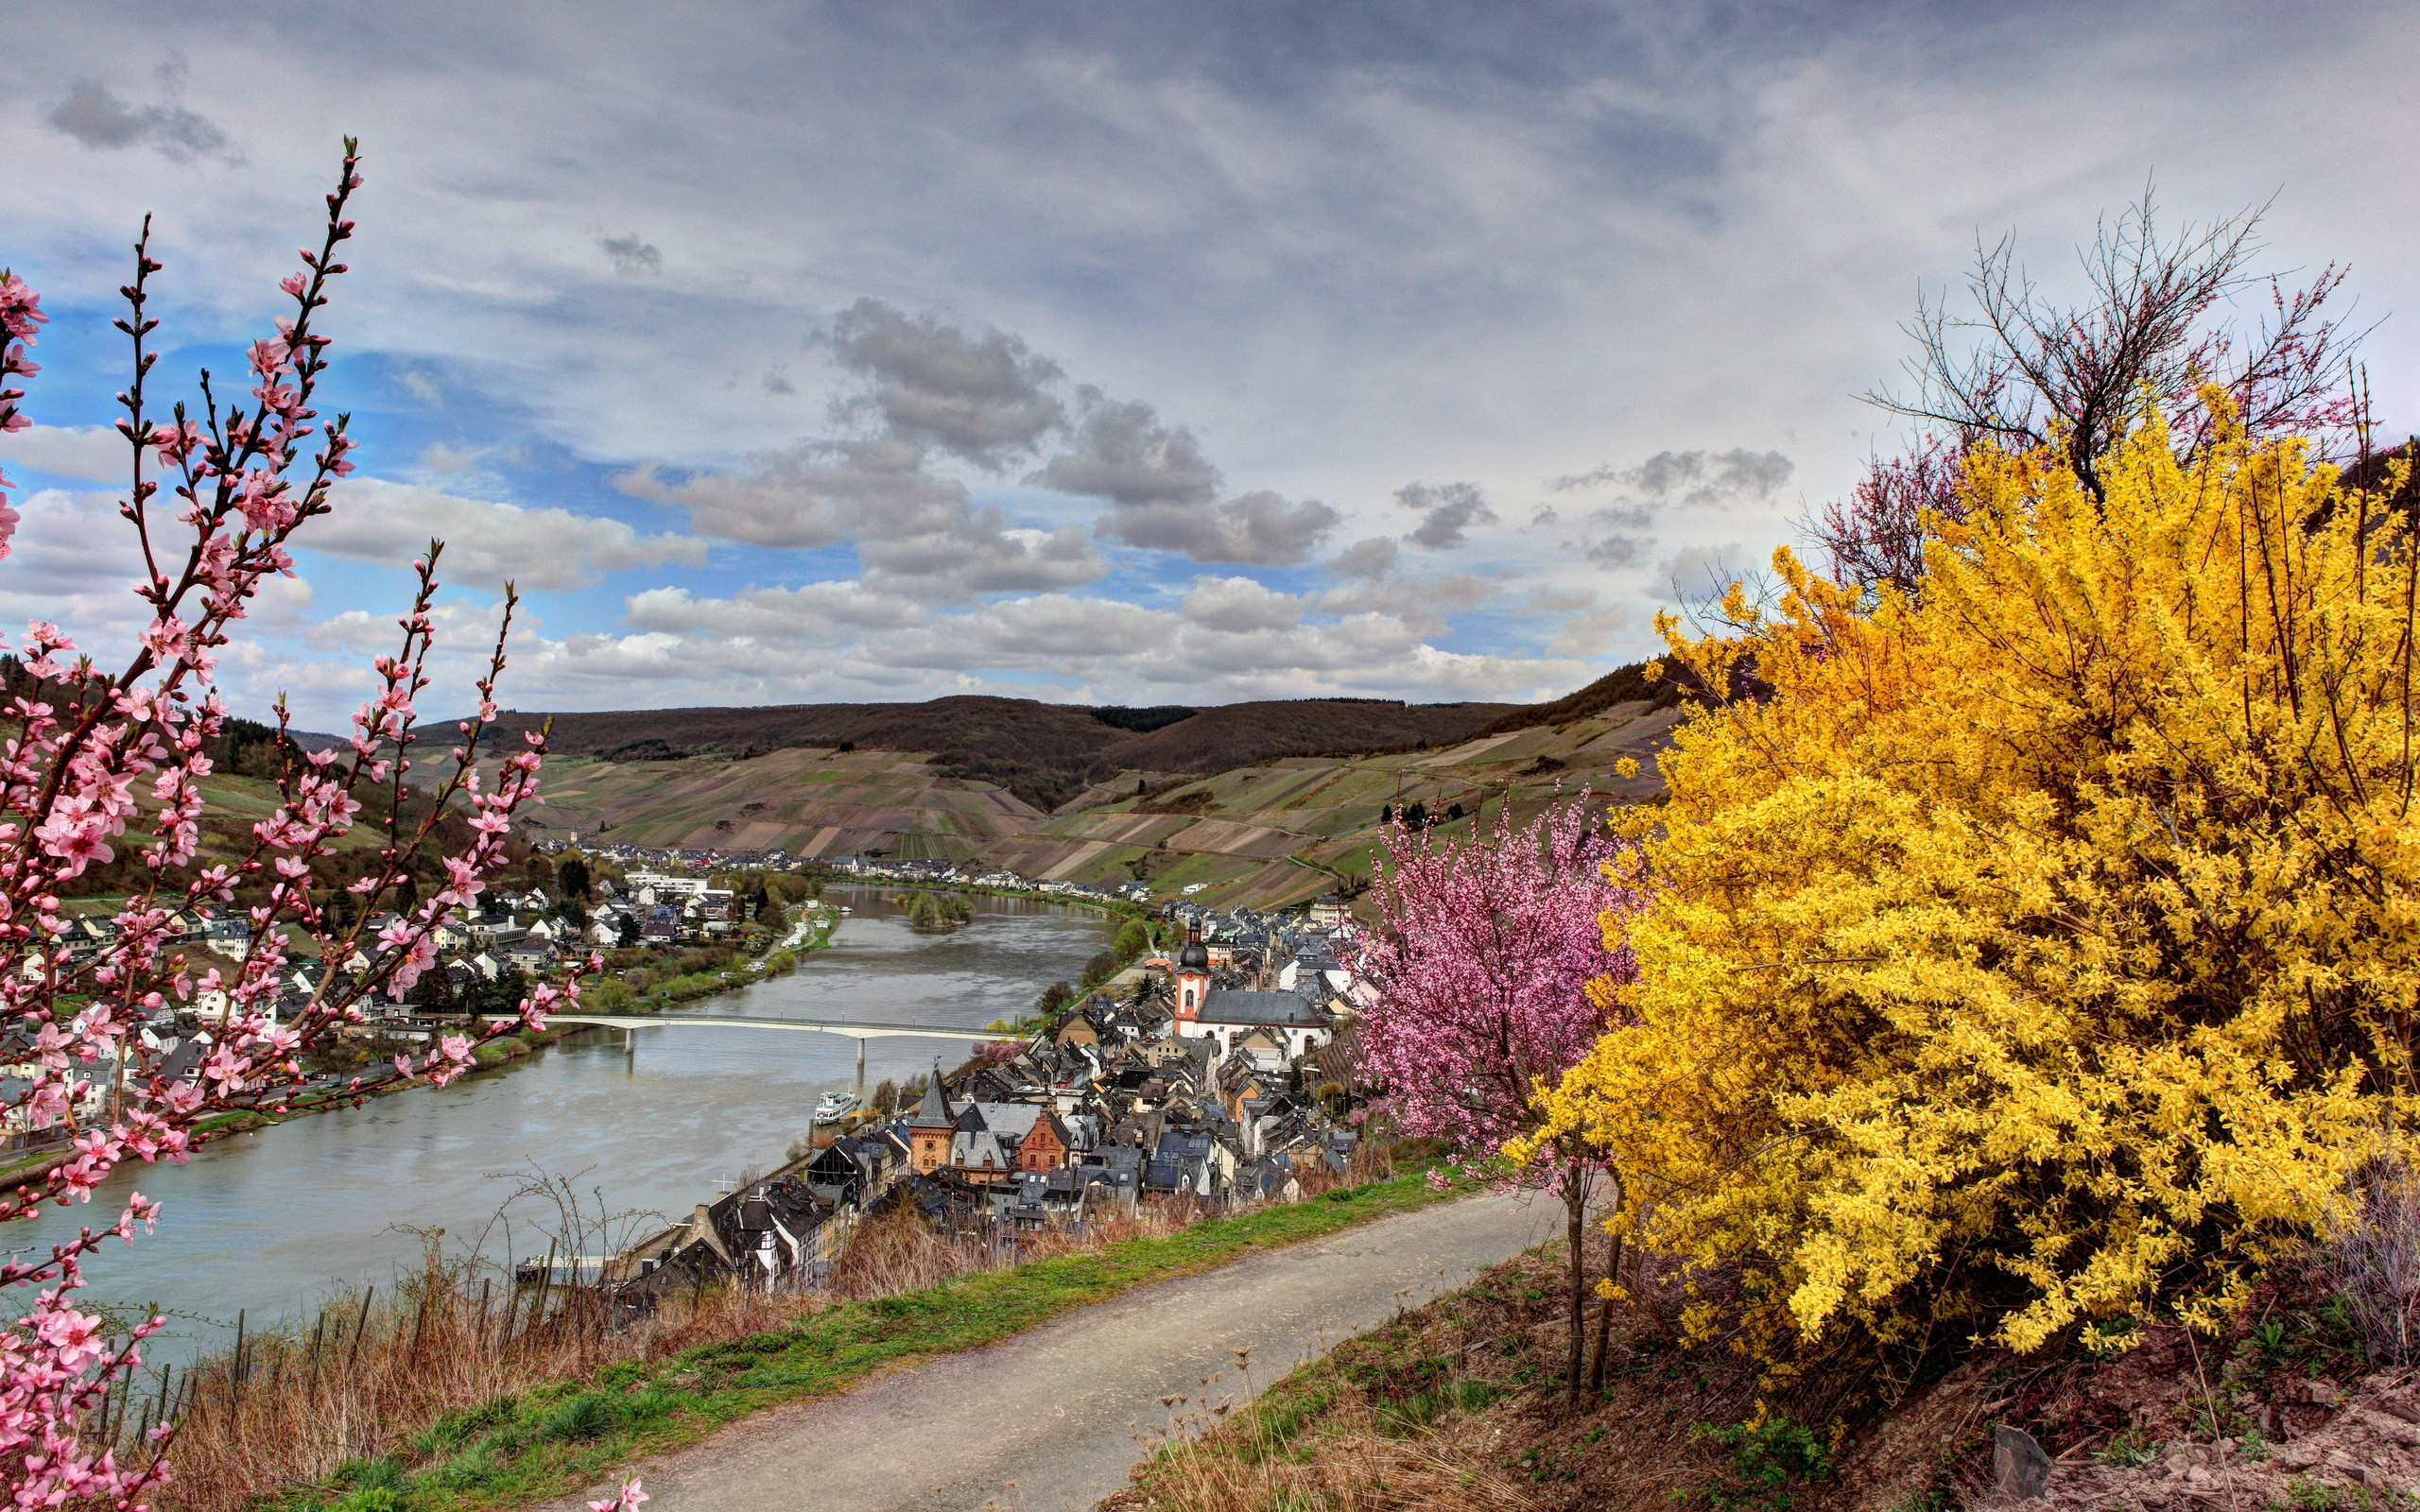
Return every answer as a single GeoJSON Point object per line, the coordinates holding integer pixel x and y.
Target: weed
{"type": "Point", "coordinates": [2131, 1448]}
{"type": "Point", "coordinates": [1770, 1459]}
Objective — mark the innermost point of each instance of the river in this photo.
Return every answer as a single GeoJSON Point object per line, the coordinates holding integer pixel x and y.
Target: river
{"type": "Point", "coordinates": [647, 1120]}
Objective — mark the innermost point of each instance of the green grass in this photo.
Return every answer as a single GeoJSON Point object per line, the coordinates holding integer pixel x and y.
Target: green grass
{"type": "Point", "coordinates": [561, 1439]}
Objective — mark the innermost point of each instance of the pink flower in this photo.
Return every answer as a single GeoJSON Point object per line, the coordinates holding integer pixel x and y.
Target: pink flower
{"type": "Point", "coordinates": [627, 1501]}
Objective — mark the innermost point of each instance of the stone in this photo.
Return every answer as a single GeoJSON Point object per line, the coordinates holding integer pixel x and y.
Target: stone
{"type": "Point", "coordinates": [2019, 1468]}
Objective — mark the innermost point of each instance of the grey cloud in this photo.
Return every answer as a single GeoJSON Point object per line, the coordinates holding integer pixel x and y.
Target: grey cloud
{"type": "Point", "coordinates": [984, 399]}
{"type": "Point", "coordinates": [777, 381]}
{"type": "Point", "coordinates": [1618, 550]}
{"type": "Point", "coordinates": [1693, 478]}
{"type": "Point", "coordinates": [819, 494]}
{"type": "Point", "coordinates": [1628, 535]}
{"type": "Point", "coordinates": [1449, 509]}
{"type": "Point", "coordinates": [917, 534]}
{"type": "Point", "coordinates": [1366, 561]}
{"type": "Point", "coordinates": [1122, 452]}
{"type": "Point", "coordinates": [1419, 603]}
{"type": "Point", "coordinates": [630, 255]}
{"type": "Point", "coordinates": [982, 555]}
{"type": "Point", "coordinates": [1696, 570]}
{"type": "Point", "coordinates": [100, 120]}
{"type": "Point", "coordinates": [1256, 529]}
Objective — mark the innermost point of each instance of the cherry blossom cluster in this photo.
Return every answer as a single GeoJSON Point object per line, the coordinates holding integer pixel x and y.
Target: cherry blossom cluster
{"type": "Point", "coordinates": [99, 762]}
{"type": "Point", "coordinates": [1482, 956]}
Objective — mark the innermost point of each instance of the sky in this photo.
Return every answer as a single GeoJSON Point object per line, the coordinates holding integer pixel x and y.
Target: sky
{"type": "Point", "coordinates": [1136, 353]}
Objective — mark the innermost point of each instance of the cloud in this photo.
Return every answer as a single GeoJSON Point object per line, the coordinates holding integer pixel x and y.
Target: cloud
{"type": "Point", "coordinates": [1238, 603]}
{"type": "Point", "coordinates": [915, 532]}
{"type": "Point", "coordinates": [981, 554]}
{"type": "Point", "coordinates": [1694, 571]}
{"type": "Point", "coordinates": [1254, 529]}
{"type": "Point", "coordinates": [631, 255]}
{"type": "Point", "coordinates": [1122, 452]}
{"type": "Point", "coordinates": [1448, 509]}
{"type": "Point", "coordinates": [820, 493]}
{"type": "Point", "coordinates": [486, 542]}
{"type": "Point", "coordinates": [1160, 488]}
{"type": "Point", "coordinates": [100, 120]}
{"type": "Point", "coordinates": [1369, 559]}
{"type": "Point", "coordinates": [1419, 603]}
{"type": "Point", "coordinates": [816, 611]}
{"type": "Point", "coordinates": [90, 453]}
{"type": "Point", "coordinates": [1696, 479]}
{"type": "Point", "coordinates": [983, 399]}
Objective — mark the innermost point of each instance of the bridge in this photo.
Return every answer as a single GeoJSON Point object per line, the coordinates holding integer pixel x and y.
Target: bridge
{"type": "Point", "coordinates": [860, 1032]}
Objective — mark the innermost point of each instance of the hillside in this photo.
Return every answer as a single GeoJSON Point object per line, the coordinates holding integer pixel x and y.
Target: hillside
{"type": "Point", "coordinates": [1286, 830]}
{"type": "Point", "coordinates": [808, 802]}
{"type": "Point", "coordinates": [1042, 752]}
{"type": "Point", "coordinates": [1268, 832]}
{"type": "Point", "coordinates": [1622, 685]}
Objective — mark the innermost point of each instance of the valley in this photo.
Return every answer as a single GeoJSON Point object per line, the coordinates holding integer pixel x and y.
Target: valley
{"type": "Point", "coordinates": [1264, 832]}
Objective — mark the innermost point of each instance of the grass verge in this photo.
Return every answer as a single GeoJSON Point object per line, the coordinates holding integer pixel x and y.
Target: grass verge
{"type": "Point", "coordinates": [559, 1438]}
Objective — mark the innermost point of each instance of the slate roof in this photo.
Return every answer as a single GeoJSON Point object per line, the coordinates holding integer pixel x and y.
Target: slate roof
{"type": "Point", "coordinates": [1228, 1004]}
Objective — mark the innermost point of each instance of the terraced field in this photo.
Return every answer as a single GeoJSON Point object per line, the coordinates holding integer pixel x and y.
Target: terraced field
{"type": "Point", "coordinates": [806, 802]}
{"type": "Point", "coordinates": [1271, 834]}
{"type": "Point", "coordinates": [1288, 830]}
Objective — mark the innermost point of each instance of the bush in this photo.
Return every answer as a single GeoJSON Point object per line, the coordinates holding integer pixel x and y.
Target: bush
{"type": "Point", "coordinates": [2049, 918]}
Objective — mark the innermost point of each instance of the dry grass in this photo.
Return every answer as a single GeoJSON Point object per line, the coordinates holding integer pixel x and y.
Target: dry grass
{"type": "Point", "coordinates": [899, 1252]}
{"type": "Point", "coordinates": [374, 1371]}
{"type": "Point", "coordinates": [1459, 1406]}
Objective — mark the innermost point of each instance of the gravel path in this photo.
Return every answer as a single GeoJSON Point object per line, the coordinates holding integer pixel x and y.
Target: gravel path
{"type": "Point", "coordinates": [1052, 1420]}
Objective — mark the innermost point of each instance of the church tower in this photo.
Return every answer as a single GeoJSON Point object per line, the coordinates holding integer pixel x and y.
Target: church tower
{"type": "Point", "coordinates": [931, 1128]}
{"type": "Point", "coordinates": [1192, 978]}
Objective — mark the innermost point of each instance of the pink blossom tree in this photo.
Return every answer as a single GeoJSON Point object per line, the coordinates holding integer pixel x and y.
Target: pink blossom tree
{"type": "Point", "coordinates": [97, 759]}
{"type": "Point", "coordinates": [1483, 958]}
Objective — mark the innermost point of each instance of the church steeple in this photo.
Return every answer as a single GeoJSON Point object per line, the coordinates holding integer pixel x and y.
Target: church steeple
{"type": "Point", "coordinates": [1192, 977]}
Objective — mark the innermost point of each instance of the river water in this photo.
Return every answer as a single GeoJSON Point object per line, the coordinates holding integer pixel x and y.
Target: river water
{"type": "Point", "coordinates": [640, 1120]}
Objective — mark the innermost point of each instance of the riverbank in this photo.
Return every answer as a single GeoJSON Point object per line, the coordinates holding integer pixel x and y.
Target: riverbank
{"type": "Point", "coordinates": [510, 1439]}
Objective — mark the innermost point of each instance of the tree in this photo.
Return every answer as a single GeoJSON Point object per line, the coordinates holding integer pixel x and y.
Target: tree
{"type": "Point", "coordinates": [2033, 957]}
{"type": "Point", "coordinates": [85, 740]}
{"type": "Point", "coordinates": [626, 935]}
{"type": "Point", "coordinates": [2019, 371]}
{"type": "Point", "coordinates": [572, 877]}
{"type": "Point", "coordinates": [1484, 956]}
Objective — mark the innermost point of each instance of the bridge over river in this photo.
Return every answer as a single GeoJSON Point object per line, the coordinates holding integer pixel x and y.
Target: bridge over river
{"type": "Point", "coordinates": [860, 1032]}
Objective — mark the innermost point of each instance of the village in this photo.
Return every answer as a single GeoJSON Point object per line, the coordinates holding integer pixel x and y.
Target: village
{"type": "Point", "coordinates": [1213, 1073]}
{"type": "Point", "coordinates": [1216, 1078]}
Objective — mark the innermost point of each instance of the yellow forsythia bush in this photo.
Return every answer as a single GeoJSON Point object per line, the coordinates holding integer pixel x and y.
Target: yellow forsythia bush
{"type": "Point", "coordinates": [2042, 950]}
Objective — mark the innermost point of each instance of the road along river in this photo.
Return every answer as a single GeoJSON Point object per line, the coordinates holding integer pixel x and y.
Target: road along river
{"type": "Point", "coordinates": [271, 1222]}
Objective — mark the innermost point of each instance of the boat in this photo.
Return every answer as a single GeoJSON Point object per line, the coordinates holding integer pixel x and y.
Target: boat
{"type": "Point", "coordinates": [835, 1107]}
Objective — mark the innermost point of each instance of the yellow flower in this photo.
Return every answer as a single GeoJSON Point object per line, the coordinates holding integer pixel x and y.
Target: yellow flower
{"type": "Point", "coordinates": [2044, 950]}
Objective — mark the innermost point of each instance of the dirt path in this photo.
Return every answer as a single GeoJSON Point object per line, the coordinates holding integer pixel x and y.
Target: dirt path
{"type": "Point", "coordinates": [1051, 1421]}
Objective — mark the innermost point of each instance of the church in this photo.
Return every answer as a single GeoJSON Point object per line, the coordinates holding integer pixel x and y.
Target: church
{"type": "Point", "coordinates": [1227, 1015]}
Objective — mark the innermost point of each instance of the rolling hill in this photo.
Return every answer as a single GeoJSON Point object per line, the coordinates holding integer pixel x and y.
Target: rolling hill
{"type": "Point", "coordinates": [1042, 752]}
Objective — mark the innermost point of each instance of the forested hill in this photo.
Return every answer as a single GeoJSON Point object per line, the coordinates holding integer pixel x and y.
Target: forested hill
{"type": "Point", "coordinates": [1044, 753]}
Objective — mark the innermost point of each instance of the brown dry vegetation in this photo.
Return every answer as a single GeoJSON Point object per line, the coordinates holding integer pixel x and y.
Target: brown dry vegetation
{"type": "Point", "coordinates": [376, 1371]}
{"type": "Point", "coordinates": [404, 1376]}
{"type": "Point", "coordinates": [2309, 1401]}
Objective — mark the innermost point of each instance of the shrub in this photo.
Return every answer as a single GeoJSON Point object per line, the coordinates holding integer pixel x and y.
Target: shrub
{"type": "Point", "coordinates": [2028, 951]}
